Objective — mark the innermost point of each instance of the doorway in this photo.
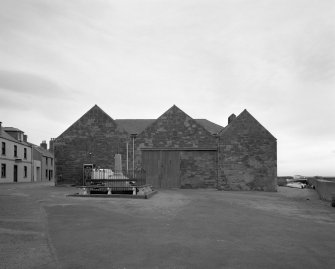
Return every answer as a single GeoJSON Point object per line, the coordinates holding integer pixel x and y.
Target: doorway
{"type": "Point", "coordinates": [15, 173]}
{"type": "Point", "coordinates": [162, 168]}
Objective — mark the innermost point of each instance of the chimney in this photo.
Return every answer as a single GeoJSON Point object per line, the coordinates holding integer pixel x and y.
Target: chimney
{"type": "Point", "coordinates": [25, 137]}
{"type": "Point", "coordinates": [51, 144]}
{"type": "Point", "coordinates": [231, 118]}
{"type": "Point", "coordinates": [0, 126]}
{"type": "Point", "coordinates": [44, 144]}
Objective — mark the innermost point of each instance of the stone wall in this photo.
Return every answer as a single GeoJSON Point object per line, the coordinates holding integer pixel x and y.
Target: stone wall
{"type": "Point", "coordinates": [94, 138]}
{"type": "Point", "coordinates": [324, 188]}
{"type": "Point", "coordinates": [174, 129]}
{"type": "Point", "coordinates": [248, 156]}
{"type": "Point", "coordinates": [198, 169]}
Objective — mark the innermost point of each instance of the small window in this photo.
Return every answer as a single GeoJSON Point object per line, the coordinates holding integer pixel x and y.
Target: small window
{"type": "Point", "coordinates": [25, 153]}
{"type": "Point", "coordinates": [15, 150]}
{"type": "Point", "coordinates": [52, 160]}
{"type": "Point", "coordinates": [46, 160]}
{"type": "Point", "coordinates": [46, 173]}
{"type": "Point", "coordinates": [3, 170]}
{"type": "Point", "coordinates": [3, 148]}
{"type": "Point", "coordinates": [25, 171]}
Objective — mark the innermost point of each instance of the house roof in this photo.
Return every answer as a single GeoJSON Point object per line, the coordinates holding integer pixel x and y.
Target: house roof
{"type": "Point", "coordinates": [212, 127]}
{"type": "Point", "coordinates": [246, 115]}
{"type": "Point", "coordinates": [5, 135]}
{"type": "Point", "coordinates": [136, 126]}
{"type": "Point", "coordinates": [94, 112]}
{"type": "Point", "coordinates": [43, 151]}
{"type": "Point", "coordinates": [11, 129]}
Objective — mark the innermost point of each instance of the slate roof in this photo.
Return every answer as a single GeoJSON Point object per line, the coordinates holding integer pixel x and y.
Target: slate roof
{"type": "Point", "coordinates": [43, 151]}
{"type": "Point", "coordinates": [11, 129]}
{"type": "Point", "coordinates": [247, 115]}
{"type": "Point", "coordinates": [212, 127]}
{"type": "Point", "coordinates": [136, 126]}
{"type": "Point", "coordinates": [6, 136]}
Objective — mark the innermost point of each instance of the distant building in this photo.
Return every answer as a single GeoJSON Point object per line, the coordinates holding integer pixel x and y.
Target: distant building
{"type": "Point", "coordinates": [175, 150]}
{"type": "Point", "coordinates": [43, 163]}
{"type": "Point", "coordinates": [15, 156]}
{"type": "Point", "coordinates": [22, 161]}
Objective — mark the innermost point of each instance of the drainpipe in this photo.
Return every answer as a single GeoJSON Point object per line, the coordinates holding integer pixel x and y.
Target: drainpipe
{"type": "Point", "coordinates": [217, 159]}
{"type": "Point", "coordinates": [127, 156]}
{"type": "Point", "coordinates": [32, 169]}
{"type": "Point", "coordinates": [133, 137]}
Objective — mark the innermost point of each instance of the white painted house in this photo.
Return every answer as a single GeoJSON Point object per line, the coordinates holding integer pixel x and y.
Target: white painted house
{"type": "Point", "coordinates": [15, 156]}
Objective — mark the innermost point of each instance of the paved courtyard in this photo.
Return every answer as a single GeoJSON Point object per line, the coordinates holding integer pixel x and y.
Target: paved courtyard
{"type": "Point", "coordinates": [41, 227]}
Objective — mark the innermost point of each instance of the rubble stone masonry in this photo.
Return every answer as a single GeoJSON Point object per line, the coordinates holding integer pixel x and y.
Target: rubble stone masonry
{"type": "Point", "coordinates": [94, 138]}
{"type": "Point", "coordinates": [248, 156]}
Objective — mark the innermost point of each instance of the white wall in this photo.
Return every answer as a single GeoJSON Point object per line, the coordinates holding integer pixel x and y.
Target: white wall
{"type": "Point", "coordinates": [9, 160]}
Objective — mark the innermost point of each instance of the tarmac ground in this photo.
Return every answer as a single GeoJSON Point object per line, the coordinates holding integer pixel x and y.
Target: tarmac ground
{"type": "Point", "coordinates": [42, 227]}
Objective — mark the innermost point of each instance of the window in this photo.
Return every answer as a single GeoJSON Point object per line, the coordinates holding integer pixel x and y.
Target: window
{"type": "Point", "coordinates": [25, 153]}
{"type": "Point", "coordinates": [46, 160]}
{"type": "Point", "coordinates": [46, 173]}
{"type": "Point", "coordinates": [15, 150]}
{"type": "Point", "coordinates": [25, 171]}
{"type": "Point", "coordinates": [51, 161]}
{"type": "Point", "coordinates": [3, 148]}
{"type": "Point", "coordinates": [3, 170]}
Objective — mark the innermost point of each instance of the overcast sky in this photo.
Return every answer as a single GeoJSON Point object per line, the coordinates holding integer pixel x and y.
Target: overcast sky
{"type": "Point", "coordinates": [136, 58]}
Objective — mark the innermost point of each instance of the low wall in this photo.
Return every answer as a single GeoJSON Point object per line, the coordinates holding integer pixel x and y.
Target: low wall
{"type": "Point", "coordinates": [325, 188]}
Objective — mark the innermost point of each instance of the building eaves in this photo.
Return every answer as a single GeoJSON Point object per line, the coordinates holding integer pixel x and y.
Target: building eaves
{"type": "Point", "coordinates": [11, 129]}
{"type": "Point", "coordinates": [43, 151]}
{"type": "Point", "coordinates": [6, 136]}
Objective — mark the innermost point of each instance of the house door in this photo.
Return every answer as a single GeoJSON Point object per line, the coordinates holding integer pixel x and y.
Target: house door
{"type": "Point", "coordinates": [38, 174]}
{"type": "Point", "coordinates": [15, 173]}
{"type": "Point", "coordinates": [162, 168]}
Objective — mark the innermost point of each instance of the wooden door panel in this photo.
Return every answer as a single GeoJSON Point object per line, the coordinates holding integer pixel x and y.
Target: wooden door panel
{"type": "Point", "coordinates": [162, 168]}
{"type": "Point", "coordinates": [151, 163]}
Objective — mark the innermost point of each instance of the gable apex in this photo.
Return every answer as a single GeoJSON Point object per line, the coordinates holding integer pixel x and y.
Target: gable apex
{"type": "Point", "coordinates": [94, 113]}
{"type": "Point", "coordinates": [243, 117]}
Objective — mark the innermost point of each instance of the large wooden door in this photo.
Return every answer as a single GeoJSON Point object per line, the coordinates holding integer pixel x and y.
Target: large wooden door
{"type": "Point", "coordinates": [162, 168]}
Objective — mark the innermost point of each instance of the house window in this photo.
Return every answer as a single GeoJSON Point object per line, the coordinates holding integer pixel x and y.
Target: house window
{"type": "Point", "coordinates": [25, 171]}
{"type": "Point", "coordinates": [25, 153]}
{"type": "Point", "coordinates": [52, 160]}
{"type": "Point", "coordinates": [46, 173]}
{"type": "Point", "coordinates": [46, 160]}
{"type": "Point", "coordinates": [15, 150]}
{"type": "Point", "coordinates": [3, 170]}
{"type": "Point", "coordinates": [3, 148]}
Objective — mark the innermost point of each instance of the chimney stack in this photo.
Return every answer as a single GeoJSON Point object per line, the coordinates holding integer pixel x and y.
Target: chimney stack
{"type": "Point", "coordinates": [44, 144]}
{"type": "Point", "coordinates": [231, 118]}
{"type": "Point", "coordinates": [0, 126]}
{"type": "Point", "coordinates": [51, 145]}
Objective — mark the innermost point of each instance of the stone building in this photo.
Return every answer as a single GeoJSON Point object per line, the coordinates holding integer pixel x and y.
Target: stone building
{"type": "Point", "coordinates": [43, 163]}
{"type": "Point", "coordinates": [175, 150]}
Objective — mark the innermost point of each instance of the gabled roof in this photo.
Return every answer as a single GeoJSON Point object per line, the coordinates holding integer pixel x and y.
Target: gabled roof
{"type": "Point", "coordinates": [175, 123]}
{"type": "Point", "coordinates": [5, 135]}
{"type": "Point", "coordinates": [11, 129]}
{"type": "Point", "coordinates": [136, 126]}
{"type": "Point", "coordinates": [243, 117]}
{"type": "Point", "coordinates": [211, 127]}
{"type": "Point", "coordinates": [93, 111]}
{"type": "Point", "coordinates": [43, 151]}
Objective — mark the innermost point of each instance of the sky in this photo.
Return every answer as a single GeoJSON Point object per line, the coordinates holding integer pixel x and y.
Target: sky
{"type": "Point", "coordinates": [211, 58]}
